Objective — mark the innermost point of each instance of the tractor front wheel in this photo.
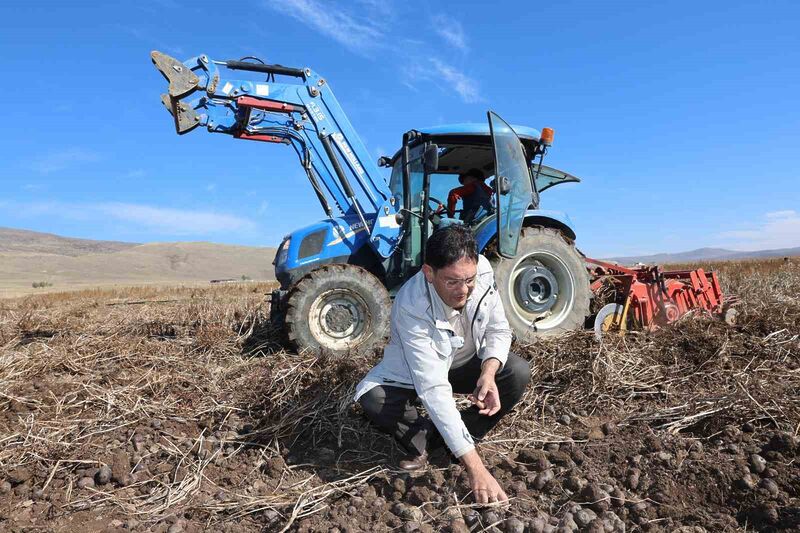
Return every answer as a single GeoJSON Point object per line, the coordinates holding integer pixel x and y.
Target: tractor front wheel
{"type": "Point", "coordinates": [545, 288]}
{"type": "Point", "coordinates": [337, 309]}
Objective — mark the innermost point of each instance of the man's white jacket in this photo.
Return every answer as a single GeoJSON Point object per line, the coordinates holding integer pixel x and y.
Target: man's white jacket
{"type": "Point", "coordinates": [420, 350]}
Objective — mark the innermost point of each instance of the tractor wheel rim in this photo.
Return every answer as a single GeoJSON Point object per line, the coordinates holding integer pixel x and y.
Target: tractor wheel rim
{"type": "Point", "coordinates": [339, 318]}
{"type": "Point", "coordinates": [546, 282]}
{"type": "Point", "coordinates": [536, 289]}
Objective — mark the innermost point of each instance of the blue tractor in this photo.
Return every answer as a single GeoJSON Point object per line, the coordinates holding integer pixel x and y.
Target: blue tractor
{"type": "Point", "coordinates": [337, 276]}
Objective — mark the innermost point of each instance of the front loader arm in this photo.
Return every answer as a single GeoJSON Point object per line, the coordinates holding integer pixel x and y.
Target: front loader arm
{"type": "Point", "coordinates": [304, 114]}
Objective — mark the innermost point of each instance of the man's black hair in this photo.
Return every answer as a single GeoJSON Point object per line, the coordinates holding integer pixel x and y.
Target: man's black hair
{"type": "Point", "coordinates": [450, 244]}
{"type": "Point", "coordinates": [473, 172]}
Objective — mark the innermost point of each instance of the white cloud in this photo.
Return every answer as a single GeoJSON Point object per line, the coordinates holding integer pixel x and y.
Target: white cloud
{"type": "Point", "coordinates": [450, 30]}
{"type": "Point", "coordinates": [61, 159]}
{"type": "Point", "coordinates": [135, 173]}
{"type": "Point", "coordinates": [466, 87]}
{"type": "Point", "coordinates": [383, 8]}
{"type": "Point", "coordinates": [777, 215]}
{"type": "Point", "coordinates": [161, 220]}
{"type": "Point", "coordinates": [359, 33]}
{"type": "Point", "coordinates": [777, 229]}
{"type": "Point", "coordinates": [367, 25]}
{"type": "Point", "coordinates": [176, 221]}
{"type": "Point", "coordinates": [446, 76]}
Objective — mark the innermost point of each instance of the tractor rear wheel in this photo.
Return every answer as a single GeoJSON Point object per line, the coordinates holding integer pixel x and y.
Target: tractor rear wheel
{"type": "Point", "coordinates": [337, 309]}
{"type": "Point", "coordinates": [545, 288]}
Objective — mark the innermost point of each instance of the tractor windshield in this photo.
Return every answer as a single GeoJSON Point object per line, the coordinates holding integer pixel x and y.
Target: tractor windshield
{"type": "Point", "coordinates": [513, 183]}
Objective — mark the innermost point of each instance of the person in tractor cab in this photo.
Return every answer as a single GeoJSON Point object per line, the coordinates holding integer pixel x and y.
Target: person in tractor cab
{"type": "Point", "coordinates": [474, 195]}
{"type": "Point", "coordinates": [449, 334]}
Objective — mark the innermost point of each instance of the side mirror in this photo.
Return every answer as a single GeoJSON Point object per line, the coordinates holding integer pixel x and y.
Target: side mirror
{"type": "Point", "coordinates": [430, 159]}
{"type": "Point", "coordinates": [384, 161]}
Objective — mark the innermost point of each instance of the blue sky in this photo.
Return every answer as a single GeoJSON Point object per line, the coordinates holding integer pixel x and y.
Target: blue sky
{"type": "Point", "coordinates": [682, 118]}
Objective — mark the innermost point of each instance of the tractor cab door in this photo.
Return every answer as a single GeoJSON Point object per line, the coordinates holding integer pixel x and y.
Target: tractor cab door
{"type": "Point", "coordinates": [416, 192]}
{"type": "Point", "coordinates": [512, 184]}
{"type": "Point", "coordinates": [407, 186]}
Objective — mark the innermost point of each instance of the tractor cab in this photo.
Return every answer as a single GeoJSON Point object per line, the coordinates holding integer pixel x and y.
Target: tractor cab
{"type": "Point", "coordinates": [432, 164]}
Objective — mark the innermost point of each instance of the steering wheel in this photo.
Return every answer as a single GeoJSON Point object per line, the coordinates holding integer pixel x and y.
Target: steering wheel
{"type": "Point", "coordinates": [437, 206]}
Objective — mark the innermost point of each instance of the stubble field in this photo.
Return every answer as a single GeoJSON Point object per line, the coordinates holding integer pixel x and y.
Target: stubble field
{"type": "Point", "coordinates": [179, 410]}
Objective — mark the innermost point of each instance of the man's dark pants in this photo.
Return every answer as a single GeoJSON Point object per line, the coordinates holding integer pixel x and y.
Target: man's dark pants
{"type": "Point", "coordinates": [392, 408]}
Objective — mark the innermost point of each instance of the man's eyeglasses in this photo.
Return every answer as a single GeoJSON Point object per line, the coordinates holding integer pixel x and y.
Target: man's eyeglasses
{"type": "Point", "coordinates": [456, 283]}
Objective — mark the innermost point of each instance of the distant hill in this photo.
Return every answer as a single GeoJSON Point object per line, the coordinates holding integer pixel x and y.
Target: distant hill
{"type": "Point", "coordinates": [22, 240]}
{"type": "Point", "coordinates": [27, 257]}
{"type": "Point", "coordinates": [706, 254]}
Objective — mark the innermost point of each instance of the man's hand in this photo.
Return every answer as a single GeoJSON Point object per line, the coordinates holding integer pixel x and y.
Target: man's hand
{"type": "Point", "coordinates": [484, 486]}
{"type": "Point", "coordinates": [486, 397]}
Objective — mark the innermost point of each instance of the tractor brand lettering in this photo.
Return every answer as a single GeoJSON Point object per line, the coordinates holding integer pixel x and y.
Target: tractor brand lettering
{"type": "Point", "coordinates": [262, 89]}
{"type": "Point", "coordinates": [358, 226]}
{"type": "Point", "coordinates": [316, 111]}
{"type": "Point", "coordinates": [354, 228]}
{"type": "Point", "coordinates": [348, 153]}
{"type": "Point", "coordinates": [227, 87]}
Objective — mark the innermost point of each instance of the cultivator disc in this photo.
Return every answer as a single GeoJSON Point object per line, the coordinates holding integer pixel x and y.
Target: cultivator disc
{"type": "Point", "coordinates": [609, 318]}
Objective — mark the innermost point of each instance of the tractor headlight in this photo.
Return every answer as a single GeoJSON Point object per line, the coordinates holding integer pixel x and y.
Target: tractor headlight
{"type": "Point", "coordinates": [283, 252]}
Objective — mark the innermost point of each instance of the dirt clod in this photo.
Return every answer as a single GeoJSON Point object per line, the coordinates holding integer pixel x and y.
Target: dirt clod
{"type": "Point", "coordinates": [770, 486]}
{"type": "Point", "coordinates": [757, 463]}
{"type": "Point", "coordinates": [457, 525]}
{"type": "Point", "coordinates": [85, 482]}
{"type": "Point", "coordinates": [634, 476]}
{"type": "Point", "coordinates": [514, 525]}
{"type": "Point", "coordinates": [20, 475]}
{"type": "Point", "coordinates": [574, 483]}
{"type": "Point", "coordinates": [407, 512]}
{"type": "Point", "coordinates": [542, 479]}
{"type": "Point", "coordinates": [489, 518]}
{"type": "Point", "coordinates": [103, 475]}
{"type": "Point", "coordinates": [746, 482]}
{"type": "Point", "coordinates": [595, 498]}
{"type": "Point", "coordinates": [584, 517]}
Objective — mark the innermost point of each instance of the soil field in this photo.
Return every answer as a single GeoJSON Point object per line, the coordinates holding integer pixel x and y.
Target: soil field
{"type": "Point", "coordinates": [175, 410]}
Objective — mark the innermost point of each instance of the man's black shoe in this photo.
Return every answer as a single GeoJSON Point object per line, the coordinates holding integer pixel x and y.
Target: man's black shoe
{"type": "Point", "coordinates": [414, 463]}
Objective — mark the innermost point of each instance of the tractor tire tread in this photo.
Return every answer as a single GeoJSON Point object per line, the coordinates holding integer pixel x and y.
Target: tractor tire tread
{"type": "Point", "coordinates": [307, 288]}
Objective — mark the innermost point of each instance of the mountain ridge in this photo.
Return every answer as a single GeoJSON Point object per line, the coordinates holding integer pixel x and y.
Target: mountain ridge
{"type": "Point", "coordinates": [28, 241]}
{"type": "Point", "coordinates": [707, 254]}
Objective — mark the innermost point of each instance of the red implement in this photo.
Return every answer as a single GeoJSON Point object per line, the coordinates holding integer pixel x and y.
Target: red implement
{"type": "Point", "coordinates": [646, 297]}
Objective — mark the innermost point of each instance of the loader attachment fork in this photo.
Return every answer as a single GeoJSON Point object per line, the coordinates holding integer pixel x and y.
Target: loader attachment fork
{"type": "Point", "coordinates": [181, 79]}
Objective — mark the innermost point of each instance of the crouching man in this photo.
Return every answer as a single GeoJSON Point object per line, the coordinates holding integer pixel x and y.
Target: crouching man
{"type": "Point", "coordinates": [449, 334]}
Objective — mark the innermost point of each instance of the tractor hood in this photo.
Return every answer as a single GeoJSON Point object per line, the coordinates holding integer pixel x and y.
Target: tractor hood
{"type": "Point", "coordinates": [326, 241]}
